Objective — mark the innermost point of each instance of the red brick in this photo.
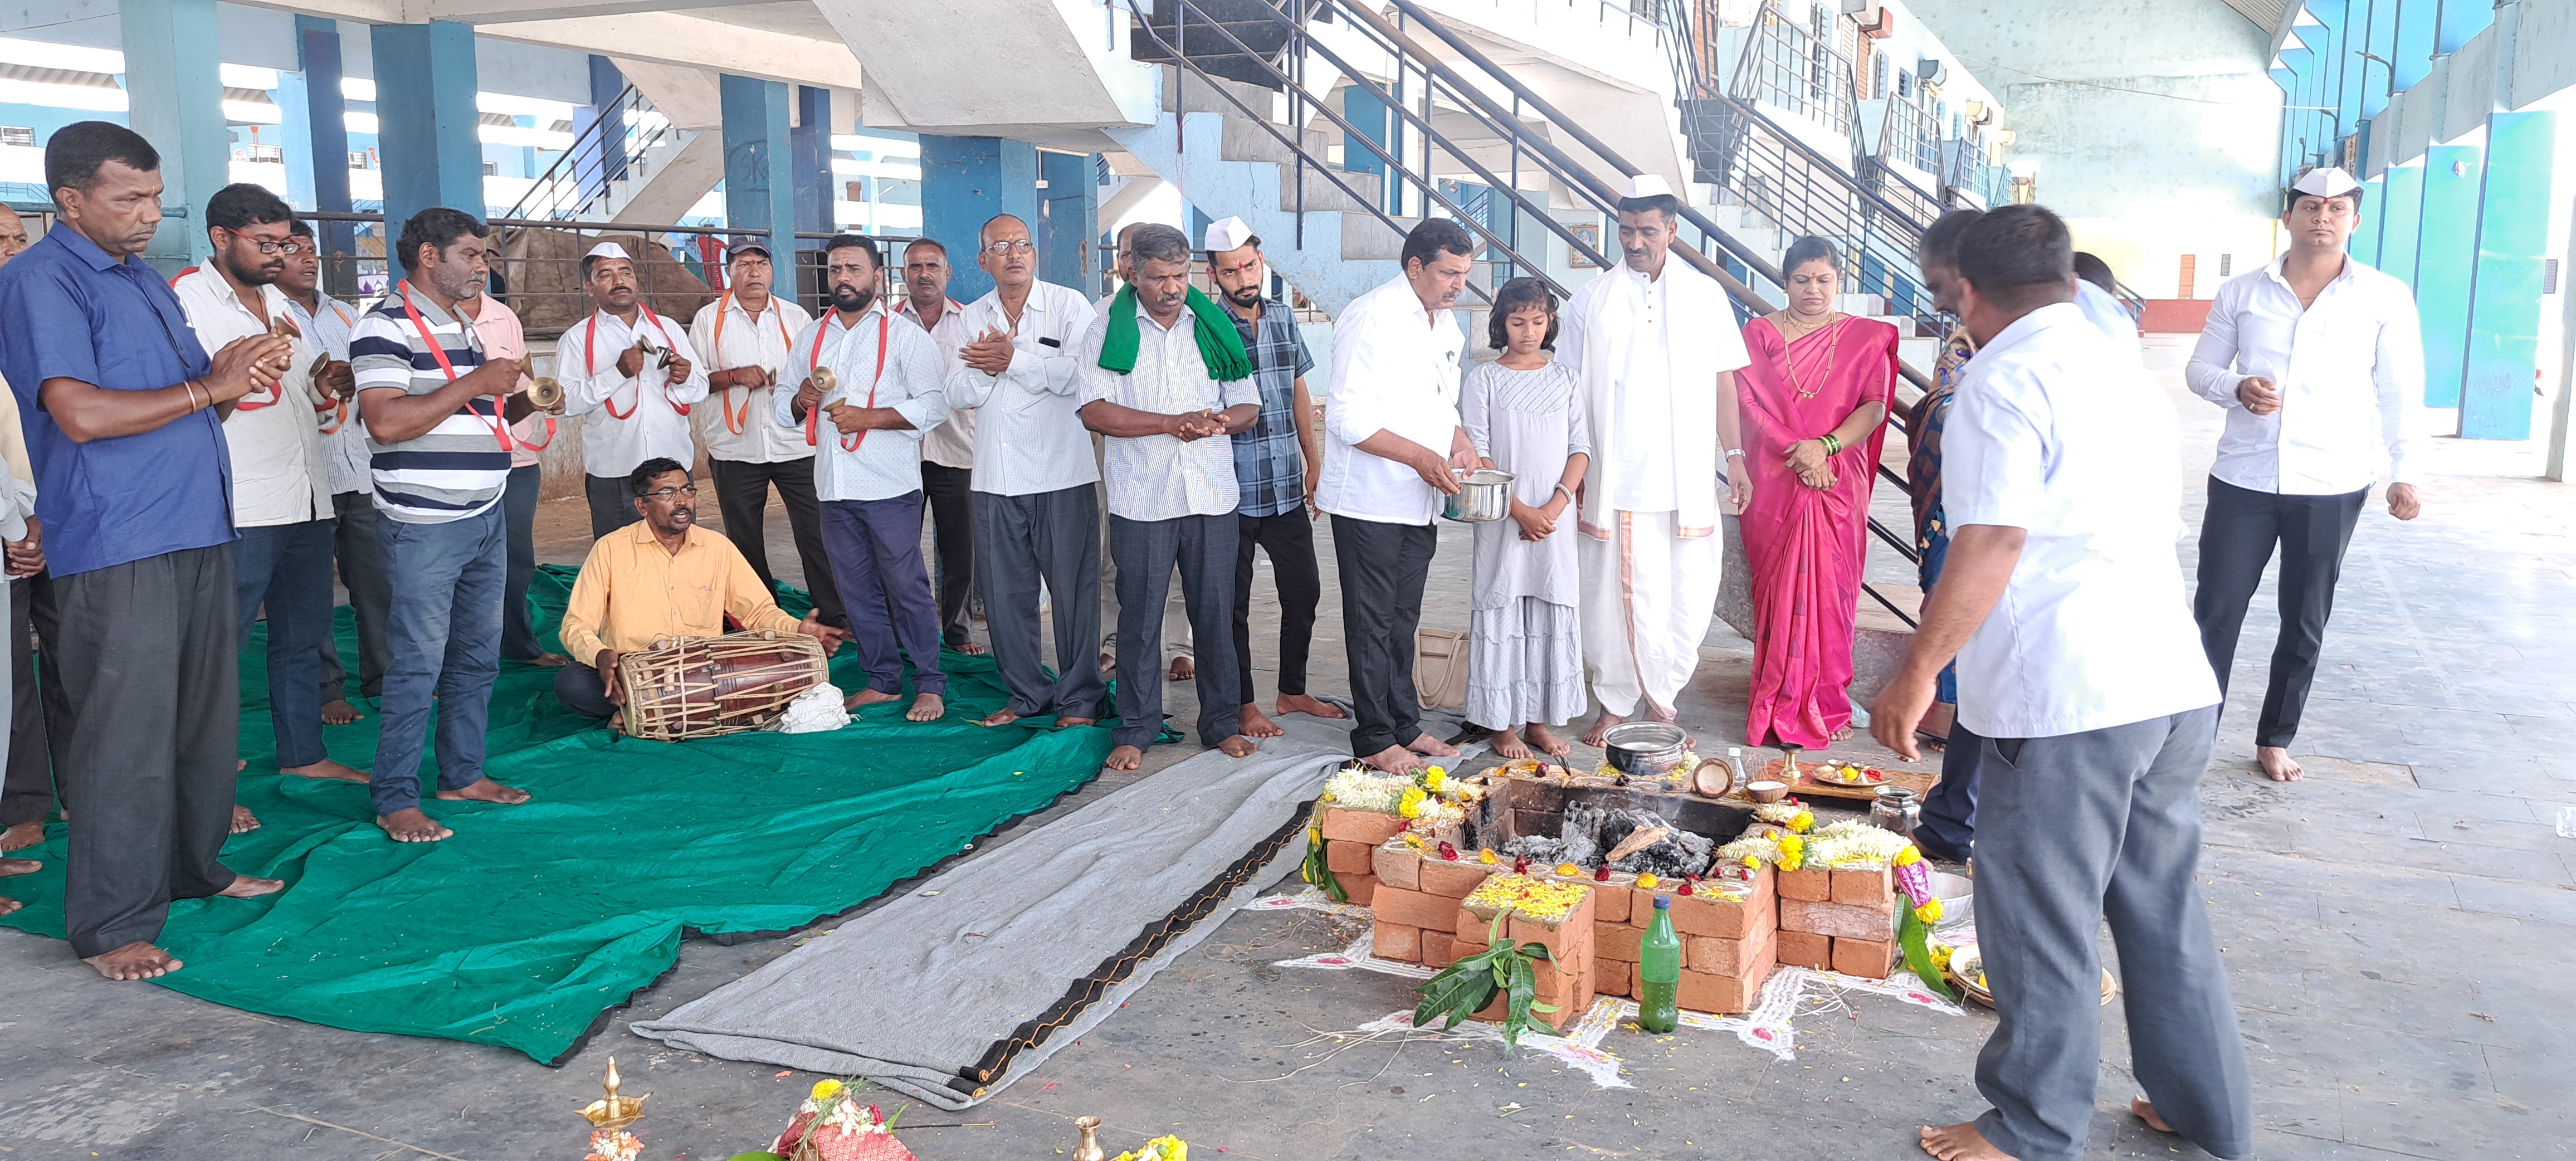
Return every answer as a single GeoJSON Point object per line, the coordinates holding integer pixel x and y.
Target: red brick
{"type": "Point", "coordinates": [1475, 924]}
{"type": "Point", "coordinates": [1799, 949]}
{"type": "Point", "coordinates": [1613, 978]}
{"type": "Point", "coordinates": [1836, 919]}
{"type": "Point", "coordinates": [1706, 912]}
{"type": "Point", "coordinates": [1566, 939]}
{"type": "Point", "coordinates": [1395, 865]}
{"type": "Point", "coordinates": [1347, 858]}
{"type": "Point", "coordinates": [1455, 880]}
{"type": "Point", "coordinates": [1461, 947]}
{"type": "Point", "coordinates": [1702, 992]}
{"type": "Point", "coordinates": [1361, 888]}
{"type": "Point", "coordinates": [1867, 887]}
{"type": "Point", "coordinates": [1616, 941]}
{"type": "Point", "coordinates": [1410, 908]}
{"type": "Point", "coordinates": [1611, 902]}
{"type": "Point", "coordinates": [1439, 948]}
{"type": "Point", "coordinates": [1365, 827]}
{"type": "Point", "coordinates": [1813, 884]}
{"type": "Point", "coordinates": [1728, 957]}
{"type": "Point", "coordinates": [1396, 941]}
{"type": "Point", "coordinates": [1870, 959]}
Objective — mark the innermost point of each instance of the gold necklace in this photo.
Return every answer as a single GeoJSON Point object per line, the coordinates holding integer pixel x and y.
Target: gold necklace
{"type": "Point", "coordinates": [1789, 360]}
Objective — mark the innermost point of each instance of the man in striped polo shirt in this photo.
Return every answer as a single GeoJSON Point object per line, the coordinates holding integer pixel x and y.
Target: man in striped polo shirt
{"type": "Point", "coordinates": [440, 460]}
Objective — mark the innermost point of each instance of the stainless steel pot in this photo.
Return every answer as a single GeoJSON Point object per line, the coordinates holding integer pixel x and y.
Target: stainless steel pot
{"type": "Point", "coordinates": [1484, 494]}
{"type": "Point", "coordinates": [1644, 748]}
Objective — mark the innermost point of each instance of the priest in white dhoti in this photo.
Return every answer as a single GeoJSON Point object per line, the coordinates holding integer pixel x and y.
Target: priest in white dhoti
{"type": "Point", "coordinates": [1655, 345]}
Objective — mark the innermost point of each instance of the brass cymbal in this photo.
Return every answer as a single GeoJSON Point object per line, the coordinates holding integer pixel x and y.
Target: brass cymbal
{"type": "Point", "coordinates": [544, 393]}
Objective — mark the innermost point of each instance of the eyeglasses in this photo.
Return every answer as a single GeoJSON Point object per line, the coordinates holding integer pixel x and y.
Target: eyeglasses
{"type": "Point", "coordinates": [290, 247]}
{"type": "Point", "coordinates": [1008, 245]}
{"type": "Point", "coordinates": [666, 495]}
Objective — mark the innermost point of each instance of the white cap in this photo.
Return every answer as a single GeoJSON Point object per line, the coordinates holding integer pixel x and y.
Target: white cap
{"type": "Point", "coordinates": [2328, 182]}
{"type": "Point", "coordinates": [1226, 234]}
{"type": "Point", "coordinates": [1648, 185]}
{"type": "Point", "coordinates": [609, 250]}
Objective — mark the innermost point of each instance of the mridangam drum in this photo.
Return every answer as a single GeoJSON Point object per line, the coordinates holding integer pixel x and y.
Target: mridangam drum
{"type": "Point", "coordinates": [700, 687]}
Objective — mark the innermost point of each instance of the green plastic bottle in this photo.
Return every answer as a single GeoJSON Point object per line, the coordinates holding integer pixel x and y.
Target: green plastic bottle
{"type": "Point", "coordinates": [1659, 968]}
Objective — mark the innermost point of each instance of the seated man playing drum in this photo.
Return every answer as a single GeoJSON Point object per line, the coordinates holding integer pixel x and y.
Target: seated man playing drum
{"type": "Point", "coordinates": [662, 577]}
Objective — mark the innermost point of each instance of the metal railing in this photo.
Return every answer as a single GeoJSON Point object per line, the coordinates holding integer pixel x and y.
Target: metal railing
{"type": "Point", "coordinates": [1794, 69]}
{"type": "Point", "coordinates": [1908, 136]}
{"type": "Point", "coordinates": [616, 145]}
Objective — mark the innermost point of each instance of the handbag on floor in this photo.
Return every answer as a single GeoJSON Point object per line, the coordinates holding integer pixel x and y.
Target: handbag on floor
{"type": "Point", "coordinates": [1440, 668]}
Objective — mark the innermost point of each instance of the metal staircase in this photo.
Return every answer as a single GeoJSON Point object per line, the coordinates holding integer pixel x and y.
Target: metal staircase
{"type": "Point", "coordinates": [610, 160]}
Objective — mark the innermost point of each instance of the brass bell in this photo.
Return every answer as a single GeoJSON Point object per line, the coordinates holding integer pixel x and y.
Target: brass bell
{"type": "Point", "coordinates": [825, 381]}
{"type": "Point", "coordinates": [544, 393]}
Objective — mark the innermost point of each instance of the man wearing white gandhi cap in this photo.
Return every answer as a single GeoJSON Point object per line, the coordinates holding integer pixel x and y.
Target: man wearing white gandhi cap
{"type": "Point", "coordinates": [2320, 364]}
{"type": "Point", "coordinates": [1655, 345]}
{"type": "Point", "coordinates": [631, 376]}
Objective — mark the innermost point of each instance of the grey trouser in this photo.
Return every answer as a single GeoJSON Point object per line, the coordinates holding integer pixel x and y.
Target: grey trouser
{"type": "Point", "coordinates": [1202, 547]}
{"type": "Point", "coordinates": [1021, 541]}
{"type": "Point", "coordinates": [2073, 830]}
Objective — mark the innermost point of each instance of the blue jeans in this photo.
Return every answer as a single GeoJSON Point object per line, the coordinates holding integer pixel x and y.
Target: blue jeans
{"type": "Point", "coordinates": [444, 635]}
{"type": "Point", "coordinates": [288, 568]}
{"type": "Point", "coordinates": [875, 547]}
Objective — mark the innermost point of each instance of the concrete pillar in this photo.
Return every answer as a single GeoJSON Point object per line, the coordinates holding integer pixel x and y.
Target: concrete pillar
{"type": "Point", "coordinates": [965, 180]}
{"type": "Point", "coordinates": [2445, 264]}
{"type": "Point", "coordinates": [2400, 221]}
{"type": "Point", "coordinates": [2503, 335]}
{"type": "Point", "coordinates": [1071, 220]}
{"type": "Point", "coordinates": [426, 120]}
{"type": "Point", "coordinates": [174, 97]}
{"type": "Point", "coordinates": [2365, 237]}
{"type": "Point", "coordinates": [1371, 117]}
{"type": "Point", "coordinates": [326, 131]}
{"type": "Point", "coordinates": [811, 145]}
{"type": "Point", "coordinates": [603, 157]}
{"type": "Point", "coordinates": [759, 182]}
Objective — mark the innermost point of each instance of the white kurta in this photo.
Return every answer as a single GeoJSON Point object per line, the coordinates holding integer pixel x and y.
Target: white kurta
{"type": "Point", "coordinates": [626, 421]}
{"type": "Point", "coordinates": [1649, 353]}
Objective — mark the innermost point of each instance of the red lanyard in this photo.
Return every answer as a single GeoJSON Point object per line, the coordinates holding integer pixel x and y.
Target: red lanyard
{"type": "Point", "coordinates": [848, 443]}
{"type": "Point", "coordinates": [276, 391]}
{"type": "Point", "coordinates": [590, 367]}
{"type": "Point", "coordinates": [733, 419]}
{"type": "Point", "coordinates": [338, 406]}
{"type": "Point", "coordinates": [500, 426]}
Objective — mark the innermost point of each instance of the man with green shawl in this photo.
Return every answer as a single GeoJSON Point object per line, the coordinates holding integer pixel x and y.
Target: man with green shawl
{"type": "Point", "coordinates": [1163, 372]}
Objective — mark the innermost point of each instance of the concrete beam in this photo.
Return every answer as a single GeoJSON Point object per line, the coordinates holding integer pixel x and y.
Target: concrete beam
{"type": "Point", "coordinates": [1050, 64]}
{"type": "Point", "coordinates": [657, 34]}
{"type": "Point", "coordinates": [174, 99]}
{"type": "Point", "coordinates": [509, 11]}
{"type": "Point", "coordinates": [425, 85]}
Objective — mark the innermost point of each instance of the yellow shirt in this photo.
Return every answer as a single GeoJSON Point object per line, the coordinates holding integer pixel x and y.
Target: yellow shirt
{"type": "Point", "coordinates": [631, 592]}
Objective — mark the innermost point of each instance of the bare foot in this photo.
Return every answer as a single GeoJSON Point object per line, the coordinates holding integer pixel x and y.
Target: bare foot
{"type": "Point", "coordinates": [1600, 731]}
{"type": "Point", "coordinates": [411, 826]}
{"type": "Point", "coordinates": [617, 722]}
{"type": "Point", "coordinates": [2277, 764]}
{"type": "Point", "coordinates": [868, 697]}
{"type": "Point", "coordinates": [486, 791]}
{"type": "Point", "coordinates": [10, 867]}
{"type": "Point", "coordinates": [325, 768]}
{"type": "Point", "coordinates": [1298, 703]}
{"type": "Point", "coordinates": [8, 905]}
{"type": "Point", "coordinates": [1395, 760]}
{"type": "Point", "coordinates": [928, 707]}
{"type": "Point", "coordinates": [338, 712]}
{"type": "Point", "coordinates": [1544, 738]}
{"type": "Point", "coordinates": [1065, 723]}
{"type": "Point", "coordinates": [1508, 744]}
{"type": "Point", "coordinates": [1183, 669]}
{"type": "Point", "coordinates": [1961, 1142]}
{"type": "Point", "coordinates": [972, 648]}
{"type": "Point", "coordinates": [245, 887]}
{"type": "Point", "coordinates": [1426, 744]}
{"type": "Point", "coordinates": [134, 961]}
{"type": "Point", "coordinates": [244, 821]}
{"type": "Point", "coordinates": [1000, 717]}
{"type": "Point", "coordinates": [1237, 746]}
{"type": "Point", "coordinates": [22, 836]}
{"type": "Point", "coordinates": [1124, 758]}
{"type": "Point", "coordinates": [1254, 724]}
{"type": "Point", "coordinates": [550, 660]}
{"type": "Point", "coordinates": [1108, 663]}
{"type": "Point", "coordinates": [2147, 1112]}
{"type": "Point", "coordinates": [1840, 735]}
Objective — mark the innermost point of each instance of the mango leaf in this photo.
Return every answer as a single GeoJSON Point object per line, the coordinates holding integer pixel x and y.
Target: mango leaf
{"type": "Point", "coordinates": [1915, 937]}
{"type": "Point", "coordinates": [1518, 995]}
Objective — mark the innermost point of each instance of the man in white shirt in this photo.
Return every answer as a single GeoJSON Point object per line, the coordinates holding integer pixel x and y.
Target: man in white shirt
{"type": "Point", "coordinates": [1163, 372]}
{"type": "Point", "coordinates": [948, 450]}
{"type": "Point", "coordinates": [327, 323]}
{"type": "Point", "coordinates": [2319, 361]}
{"type": "Point", "coordinates": [1655, 345]}
{"type": "Point", "coordinates": [2097, 294]}
{"type": "Point", "coordinates": [745, 335]}
{"type": "Point", "coordinates": [2062, 601]}
{"type": "Point", "coordinates": [888, 388]}
{"type": "Point", "coordinates": [632, 377]}
{"type": "Point", "coordinates": [281, 489]}
{"type": "Point", "coordinates": [1391, 441]}
{"type": "Point", "coordinates": [1034, 477]}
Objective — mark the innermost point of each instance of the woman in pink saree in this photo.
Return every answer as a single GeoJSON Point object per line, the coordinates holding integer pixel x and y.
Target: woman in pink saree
{"type": "Point", "coordinates": [1815, 403]}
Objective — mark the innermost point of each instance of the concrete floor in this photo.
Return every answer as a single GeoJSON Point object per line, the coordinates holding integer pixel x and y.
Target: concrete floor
{"type": "Point", "coordinates": [2396, 929]}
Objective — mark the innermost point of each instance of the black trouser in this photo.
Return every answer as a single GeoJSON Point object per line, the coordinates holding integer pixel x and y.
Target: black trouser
{"type": "Point", "coordinates": [361, 555]}
{"type": "Point", "coordinates": [519, 507]}
{"type": "Point", "coordinates": [1290, 538]}
{"type": "Point", "coordinates": [2237, 533]}
{"type": "Point", "coordinates": [1383, 568]}
{"type": "Point", "coordinates": [1147, 551]}
{"type": "Point", "coordinates": [149, 657]}
{"type": "Point", "coordinates": [612, 506]}
{"type": "Point", "coordinates": [952, 512]}
{"type": "Point", "coordinates": [583, 691]}
{"type": "Point", "coordinates": [1948, 829]}
{"type": "Point", "coordinates": [742, 496]}
{"type": "Point", "coordinates": [36, 713]}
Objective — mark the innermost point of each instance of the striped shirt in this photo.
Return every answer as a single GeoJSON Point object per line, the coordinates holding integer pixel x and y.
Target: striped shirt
{"type": "Point", "coordinates": [459, 468]}
{"type": "Point", "coordinates": [1269, 464]}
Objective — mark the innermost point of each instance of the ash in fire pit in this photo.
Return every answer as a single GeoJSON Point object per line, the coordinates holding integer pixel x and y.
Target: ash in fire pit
{"type": "Point", "coordinates": [1592, 830]}
{"type": "Point", "coordinates": [1554, 821]}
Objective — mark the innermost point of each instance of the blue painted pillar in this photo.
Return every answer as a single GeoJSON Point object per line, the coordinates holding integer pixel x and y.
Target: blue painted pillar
{"type": "Point", "coordinates": [326, 128]}
{"type": "Point", "coordinates": [2365, 237]}
{"type": "Point", "coordinates": [2414, 54]}
{"type": "Point", "coordinates": [426, 121]}
{"type": "Point", "coordinates": [174, 97]}
{"type": "Point", "coordinates": [2504, 306]}
{"type": "Point", "coordinates": [760, 186]}
{"type": "Point", "coordinates": [2445, 265]}
{"type": "Point", "coordinates": [1072, 218]}
{"type": "Point", "coordinates": [603, 157]}
{"type": "Point", "coordinates": [811, 147]}
{"type": "Point", "coordinates": [965, 180]}
{"type": "Point", "coordinates": [2400, 221]}
{"type": "Point", "coordinates": [1371, 117]}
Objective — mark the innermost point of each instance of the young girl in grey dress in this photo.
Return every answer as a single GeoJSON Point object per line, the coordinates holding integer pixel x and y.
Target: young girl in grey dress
{"type": "Point", "coordinates": [1525, 649]}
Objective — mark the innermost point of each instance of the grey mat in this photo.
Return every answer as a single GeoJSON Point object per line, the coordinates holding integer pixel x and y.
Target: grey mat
{"type": "Point", "coordinates": [916, 993]}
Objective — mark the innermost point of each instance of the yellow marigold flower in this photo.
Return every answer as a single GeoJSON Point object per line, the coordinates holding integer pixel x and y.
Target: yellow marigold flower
{"type": "Point", "coordinates": [1314, 834]}
{"type": "Point", "coordinates": [1929, 911]}
{"type": "Point", "coordinates": [1753, 861]}
{"type": "Point", "coordinates": [1432, 778]}
{"type": "Point", "coordinates": [1568, 869]}
{"type": "Point", "coordinates": [1793, 852]}
{"type": "Point", "coordinates": [1646, 882]}
{"type": "Point", "coordinates": [1487, 856]}
{"type": "Point", "coordinates": [1802, 821]}
{"type": "Point", "coordinates": [1410, 806]}
{"type": "Point", "coordinates": [826, 1089]}
{"type": "Point", "coordinates": [1908, 857]}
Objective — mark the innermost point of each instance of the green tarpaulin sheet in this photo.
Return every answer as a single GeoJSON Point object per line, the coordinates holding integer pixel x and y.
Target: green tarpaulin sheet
{"type": "Point", "coordinates": [533, 920]}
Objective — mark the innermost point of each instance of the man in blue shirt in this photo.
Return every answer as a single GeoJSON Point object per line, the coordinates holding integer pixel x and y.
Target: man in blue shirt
{"type": "Point", "coordinates": [123, 411]}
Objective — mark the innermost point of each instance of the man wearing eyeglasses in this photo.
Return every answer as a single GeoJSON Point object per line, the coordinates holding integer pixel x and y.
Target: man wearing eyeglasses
{"type": "Point", "coordinates": [948, 450]}
{"type": "Point", "coordinates": [281, 486]}
{"type": "Point", "coordinates": [660, 577]}
{"type": "Point", "coordinates": [746, 336]}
